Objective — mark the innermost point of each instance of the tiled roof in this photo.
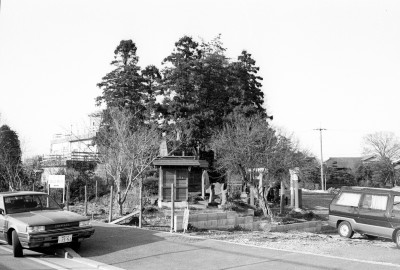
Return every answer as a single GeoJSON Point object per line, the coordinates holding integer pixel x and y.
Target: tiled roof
{"type": "Point", "coordinates": [180, 161]}
{"type": "Point", "coordinates": [344, 162]}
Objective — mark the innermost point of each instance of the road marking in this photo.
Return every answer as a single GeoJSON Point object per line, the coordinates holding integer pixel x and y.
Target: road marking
{"type": "Point", "coordinates": [54, 266]}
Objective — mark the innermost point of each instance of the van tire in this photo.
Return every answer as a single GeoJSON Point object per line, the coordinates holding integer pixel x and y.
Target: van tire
{"type": "Point", "coordinates": [16, 244]}
{"type": "Point", "coordinates": [345, 230]}
{"type": "Point", "coordinates": [397, 239]}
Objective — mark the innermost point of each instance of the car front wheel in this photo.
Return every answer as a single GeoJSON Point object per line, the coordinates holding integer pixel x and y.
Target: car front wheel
{"type": "Point", "coordinates": [345, 229]}
{"type": "Point", "coordinates": [16, 244]}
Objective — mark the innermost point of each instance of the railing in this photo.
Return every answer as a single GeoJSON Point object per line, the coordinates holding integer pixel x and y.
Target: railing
{"type": "Point", "coordinates": [74, 137]}
{"type": "Point", "coordinates": [61, 159]}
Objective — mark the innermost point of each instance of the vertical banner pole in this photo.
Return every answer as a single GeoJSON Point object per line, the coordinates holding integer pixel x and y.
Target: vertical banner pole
{"type": "Point", "coordinates": [172, 207]}
{"type": "Point", "coordinates": [67, 197]}
{"type": "Point", "coordinates": [85, 200]}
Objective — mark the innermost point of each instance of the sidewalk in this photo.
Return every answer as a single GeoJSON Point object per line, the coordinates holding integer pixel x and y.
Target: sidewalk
{"type": "Point", "coordinates": [132, 248]}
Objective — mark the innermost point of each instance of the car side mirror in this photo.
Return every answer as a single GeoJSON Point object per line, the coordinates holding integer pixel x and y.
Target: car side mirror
{"type": "Point", "coordinates": [1, 211]}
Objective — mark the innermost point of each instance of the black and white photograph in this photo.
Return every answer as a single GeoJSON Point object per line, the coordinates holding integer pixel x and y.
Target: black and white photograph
{"type": "Point", "coordinates": [188, 134]}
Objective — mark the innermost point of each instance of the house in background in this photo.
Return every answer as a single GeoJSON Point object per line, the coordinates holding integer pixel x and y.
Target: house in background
{"type": "Point", "coordinates": [341, 171]}
{"type": "Point", "coordinates": [370, 159]}
{"type": "Point", "coordinates": [72, 150]}
{"type": "Point", "coordinates": [344, 163]}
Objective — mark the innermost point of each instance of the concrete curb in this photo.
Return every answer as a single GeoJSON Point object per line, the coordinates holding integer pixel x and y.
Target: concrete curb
{"type": "Point", "coordinates": [70, 254]}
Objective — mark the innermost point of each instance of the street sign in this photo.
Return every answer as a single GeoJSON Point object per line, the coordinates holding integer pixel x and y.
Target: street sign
{"type": "Point", "coordinates": [56, 181]}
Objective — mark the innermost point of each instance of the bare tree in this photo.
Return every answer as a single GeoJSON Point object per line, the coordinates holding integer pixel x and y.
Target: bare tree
{"type": "Point", "coordinates": [386, 147]}
{"type": "Point", "coordinates": [127, 148]}
{"type": "Point", "coordinates": [246, 144]}
{"type": "Point", "coordinates": [383, 145]}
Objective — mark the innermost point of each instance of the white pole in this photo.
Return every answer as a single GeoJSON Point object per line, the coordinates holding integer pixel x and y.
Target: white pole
{"type": "Point", "coordinates": [322, 162]}
{"type": "Point", "coordinates": [323, 184]}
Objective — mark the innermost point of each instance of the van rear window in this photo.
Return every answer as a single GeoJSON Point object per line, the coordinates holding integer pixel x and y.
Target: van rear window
{"type": "Point", "coordinates": [348, 199]}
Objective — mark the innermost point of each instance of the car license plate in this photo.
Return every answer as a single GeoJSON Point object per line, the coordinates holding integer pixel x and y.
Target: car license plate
{"type": "Point", "coordinates": [65, 238]}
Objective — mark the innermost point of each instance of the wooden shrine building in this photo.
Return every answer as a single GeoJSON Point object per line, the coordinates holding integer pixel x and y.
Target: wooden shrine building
{"type": "Point", "coordinates": [184, 172]}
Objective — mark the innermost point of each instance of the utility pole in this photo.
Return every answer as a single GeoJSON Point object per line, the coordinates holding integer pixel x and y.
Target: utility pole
{"type": "Point", "coordinates": [323, 184]}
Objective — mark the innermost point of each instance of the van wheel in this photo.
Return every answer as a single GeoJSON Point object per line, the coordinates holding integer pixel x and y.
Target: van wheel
{"type": "Point", "coordinates": [398, 239]}
{"type": "Point", "coordinates": [345, 229]}
{"type": "Point", "coordinates": [16, 244]}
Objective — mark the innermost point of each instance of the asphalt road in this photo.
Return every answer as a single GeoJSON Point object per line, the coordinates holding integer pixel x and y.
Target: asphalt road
{"type": "Point", "coordinates": [133, 248]}
{"type": "Point", "coordinates": [37, 261]}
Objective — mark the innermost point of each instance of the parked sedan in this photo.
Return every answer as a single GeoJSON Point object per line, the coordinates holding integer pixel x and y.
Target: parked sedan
{"type": "Point", "coordinates": [33, 219]}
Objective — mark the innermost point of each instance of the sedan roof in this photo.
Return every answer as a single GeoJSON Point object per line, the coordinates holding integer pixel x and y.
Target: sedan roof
{"type": "Point", "coordinates": [13, 193]}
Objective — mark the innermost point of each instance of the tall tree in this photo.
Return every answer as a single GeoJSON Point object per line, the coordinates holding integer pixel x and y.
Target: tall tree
{"type": "Point", "coordinates": [151, 89]}
{"type": "Point", "coordinates": [123, 86]}
{"type": "Point", "coordinates": [203, 88]}
{"type": "Point", "coordinates": [246, 94]}
{"type": "Point", "coordinates": [10, 159]}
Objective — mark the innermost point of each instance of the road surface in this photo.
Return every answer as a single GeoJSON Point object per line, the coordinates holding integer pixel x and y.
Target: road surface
{"type": "Point", "coordinates": [133, 248]}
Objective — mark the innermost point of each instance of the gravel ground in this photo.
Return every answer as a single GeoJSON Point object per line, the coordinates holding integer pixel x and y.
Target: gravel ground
{"type": "Point", "coordinates": [322, 243]}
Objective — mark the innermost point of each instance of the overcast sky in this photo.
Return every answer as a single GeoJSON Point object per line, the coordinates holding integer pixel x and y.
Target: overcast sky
{"type": "Point", "coordinates": [329, 64]}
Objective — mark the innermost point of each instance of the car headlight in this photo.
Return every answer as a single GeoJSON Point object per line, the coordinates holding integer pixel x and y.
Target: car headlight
{"type": "Point", "coordinates": [31, 229]}
{"type": "Point", "coordinates": [85, 223]}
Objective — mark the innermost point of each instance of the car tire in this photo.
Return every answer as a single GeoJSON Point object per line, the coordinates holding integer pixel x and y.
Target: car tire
{"type": "Point", "coordinates": [76, 245]}
{"type": "Point", "coordinates": [16, 245]}
{"type": "Point", "coordinates": [345, 229]}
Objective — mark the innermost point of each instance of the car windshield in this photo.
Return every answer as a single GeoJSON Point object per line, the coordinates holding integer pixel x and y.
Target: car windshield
{"type": "Point", "coordinates": [26, 203]}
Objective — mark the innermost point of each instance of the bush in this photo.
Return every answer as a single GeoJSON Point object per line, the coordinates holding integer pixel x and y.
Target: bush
{"type": "Point", "coordinates": [150, 185]}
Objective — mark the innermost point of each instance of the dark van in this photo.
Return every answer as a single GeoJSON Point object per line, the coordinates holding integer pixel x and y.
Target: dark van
{"type": "Point", "coordinates": [368, 211]}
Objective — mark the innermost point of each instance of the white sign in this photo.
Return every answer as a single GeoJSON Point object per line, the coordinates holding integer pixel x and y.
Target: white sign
{"type": "Point", "coordinates": [185, 222]}
{"type": "Point", "coordinates": [56, 181]}
{"type": "Point", "coordinates": [293, 175]}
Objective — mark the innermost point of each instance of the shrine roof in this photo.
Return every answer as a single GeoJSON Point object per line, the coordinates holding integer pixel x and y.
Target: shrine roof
{"type": "Point", "coordinates": [187, 161]}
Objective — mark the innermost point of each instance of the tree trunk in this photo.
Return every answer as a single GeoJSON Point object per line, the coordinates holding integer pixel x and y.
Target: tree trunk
{"type": "Point", "coordinates": [264, 203]}
{"type": "Point", "coordinates": [120, 203]}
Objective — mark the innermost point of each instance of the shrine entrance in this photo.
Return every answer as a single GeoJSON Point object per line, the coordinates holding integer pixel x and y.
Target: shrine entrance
{"type": "Point", "coordinates": [180, 179]}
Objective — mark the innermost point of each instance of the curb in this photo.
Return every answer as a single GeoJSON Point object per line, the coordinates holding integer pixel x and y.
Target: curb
{"type": "Point", "coordinates": [70, 254]}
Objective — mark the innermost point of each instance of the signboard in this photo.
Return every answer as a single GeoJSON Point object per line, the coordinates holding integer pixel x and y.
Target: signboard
{"type": "Point", "coordinates": [294, 174]}
{"type": "Point", "coordinates": [163, 148]}
{"type": "Point", "coordinates": [56, 181]}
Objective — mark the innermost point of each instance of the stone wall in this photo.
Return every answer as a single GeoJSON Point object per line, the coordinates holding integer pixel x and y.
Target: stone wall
{"type": "Point", "coordinates": [216, 220]}
{"type": "Point", "coordinates": [231, 219]}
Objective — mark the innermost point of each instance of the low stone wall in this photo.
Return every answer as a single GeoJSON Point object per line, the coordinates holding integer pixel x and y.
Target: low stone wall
{"type": "Point", "coordinates": [231, 219]}
{"type": "Point", "coordinates": [307, 226]}
{"type": "Point", "coordinates": [216, 220]}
